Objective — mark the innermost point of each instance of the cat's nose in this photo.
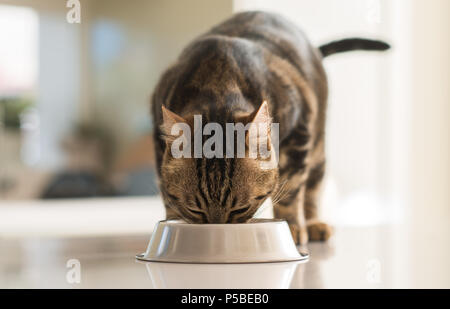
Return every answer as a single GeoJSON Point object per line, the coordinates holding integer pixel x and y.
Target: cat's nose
{"type": "Point", "coordinates": [216, 216]}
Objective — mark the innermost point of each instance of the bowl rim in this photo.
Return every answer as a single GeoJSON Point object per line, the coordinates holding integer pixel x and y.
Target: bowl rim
{"type": "Point", "coordinates": [303, 258]}
{"type": "Point", "coordinates": [175, 222]}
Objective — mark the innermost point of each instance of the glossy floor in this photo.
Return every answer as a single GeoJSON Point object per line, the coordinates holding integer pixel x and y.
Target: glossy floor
{"type": "Point", "coordinates": [354, 258]}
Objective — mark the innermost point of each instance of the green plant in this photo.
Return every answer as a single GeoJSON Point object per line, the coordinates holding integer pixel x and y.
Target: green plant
{"type": "Point", "coordinates": [10, 110]}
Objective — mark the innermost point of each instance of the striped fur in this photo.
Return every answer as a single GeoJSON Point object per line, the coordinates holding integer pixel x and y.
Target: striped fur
{"type": "Point", "coordinates": [225, 75]}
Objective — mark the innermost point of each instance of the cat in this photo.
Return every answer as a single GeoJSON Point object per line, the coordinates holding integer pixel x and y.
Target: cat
{"type": "Point", "coordinates": [255, 67]}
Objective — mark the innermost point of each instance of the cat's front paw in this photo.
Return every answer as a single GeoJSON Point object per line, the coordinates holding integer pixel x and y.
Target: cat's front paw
{"type": "Point", "coordinates": [319, 231]}
{"type": "Point", "coordinates": [300, 235]}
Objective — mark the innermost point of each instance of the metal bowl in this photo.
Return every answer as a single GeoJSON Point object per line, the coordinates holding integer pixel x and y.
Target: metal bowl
{"type": "Point", "coordinates": [262, 240]}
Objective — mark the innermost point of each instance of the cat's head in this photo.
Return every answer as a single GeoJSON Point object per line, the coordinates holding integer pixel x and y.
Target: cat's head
{"type": "Point", "coordinates": [227, 189]}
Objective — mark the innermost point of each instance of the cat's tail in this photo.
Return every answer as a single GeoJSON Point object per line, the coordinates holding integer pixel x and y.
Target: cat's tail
{"type": "Point", "coordinates": [352, 44]}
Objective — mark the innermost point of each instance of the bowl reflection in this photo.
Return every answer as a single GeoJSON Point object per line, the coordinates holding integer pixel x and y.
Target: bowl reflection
{"type": "Point", "coordinates": [224, 276]}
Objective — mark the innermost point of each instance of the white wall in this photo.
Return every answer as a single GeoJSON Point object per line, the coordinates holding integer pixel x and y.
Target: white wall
{"type": "Point", "coordinates": [430, 139]}
{"type": "Point", "coordinates": [58, 84]}
{"type": "Point", "coordinates": [388, 127]}
{"type": "Point", "coordinates": [357, 190]}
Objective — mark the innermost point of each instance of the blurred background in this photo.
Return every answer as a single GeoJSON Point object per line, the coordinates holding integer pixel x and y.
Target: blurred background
{"type": "Point", "coordinates": [76, 154]}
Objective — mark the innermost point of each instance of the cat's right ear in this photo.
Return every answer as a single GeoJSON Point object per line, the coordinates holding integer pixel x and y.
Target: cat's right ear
{"type": "Point", "coordinates": [170, 119]}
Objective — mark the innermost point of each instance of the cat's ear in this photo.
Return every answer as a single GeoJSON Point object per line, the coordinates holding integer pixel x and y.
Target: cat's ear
{"type": "Point", "coordinates": [261, 120]}
{"type": "Point", "coordinates": [259, 131]}
{"type": "Point", "coordinates": [262, 115]}
{"type": "Point", "coordinates": [169, 120]}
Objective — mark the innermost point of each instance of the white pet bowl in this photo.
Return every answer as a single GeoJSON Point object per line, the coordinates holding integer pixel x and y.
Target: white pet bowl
{"type": "Point", "coordinates": [260, 241]}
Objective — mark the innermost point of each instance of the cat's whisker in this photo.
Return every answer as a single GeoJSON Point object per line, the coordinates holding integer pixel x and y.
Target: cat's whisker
{"type": "Point", "coordinates": [280, 194]}
{"type": "Point", "coordinates": [277, 191]}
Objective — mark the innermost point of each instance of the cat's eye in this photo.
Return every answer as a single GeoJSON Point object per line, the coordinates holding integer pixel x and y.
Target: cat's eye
{"type": "Point", "coordinates": [260, 197]}
{"type": "Point", "coordinates": [237, 212]}
{"type": "Point", "coordinates": [198, 212]}
{"type": "Point", "coordinates": [173, 197]}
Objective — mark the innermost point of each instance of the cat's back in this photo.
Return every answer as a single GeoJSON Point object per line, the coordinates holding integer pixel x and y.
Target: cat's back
{"type": "Point", "coordinates": [276, 34]}
{"type": "Point", "coordinates": [248, 31]}
{"type": "Point", "coordinates": [238, 54]}
{"type": "Point", "coordinates": [249, 39]}
{"type": "Point", "coordinates": [261, 27]}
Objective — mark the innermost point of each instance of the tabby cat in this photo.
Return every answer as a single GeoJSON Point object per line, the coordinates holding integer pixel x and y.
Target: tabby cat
{"type": "Point", "coordinates": [225, 76]}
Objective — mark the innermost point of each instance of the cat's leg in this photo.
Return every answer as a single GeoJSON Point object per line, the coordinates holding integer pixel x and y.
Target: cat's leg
{"type": "Point", "coordinates": [288, 202]}
{"type": "Point", "coordinates": [312, 191]}
{"type": "Point", "coordinates": [297, 197]}
{"type": "Point", "coordinates": [317, 230]}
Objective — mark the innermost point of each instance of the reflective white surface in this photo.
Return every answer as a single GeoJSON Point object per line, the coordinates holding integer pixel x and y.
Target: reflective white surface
{"type": "Point", "coordinates": [224, 276]}
{"type": "Point", "coordinates": [262, 240]}
{"type": "Point", "coordinates": [363, 257]}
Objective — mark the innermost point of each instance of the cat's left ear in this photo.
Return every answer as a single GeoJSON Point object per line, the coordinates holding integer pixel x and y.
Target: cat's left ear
{"type": "Point", "coordinates": [262, 124]}
{"type": "Point", "coordinates": [169, 120]}
{"type": "Point", "coordinates": [259, 131]}
{"type": "Point", "coordinates": [262, 116]}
